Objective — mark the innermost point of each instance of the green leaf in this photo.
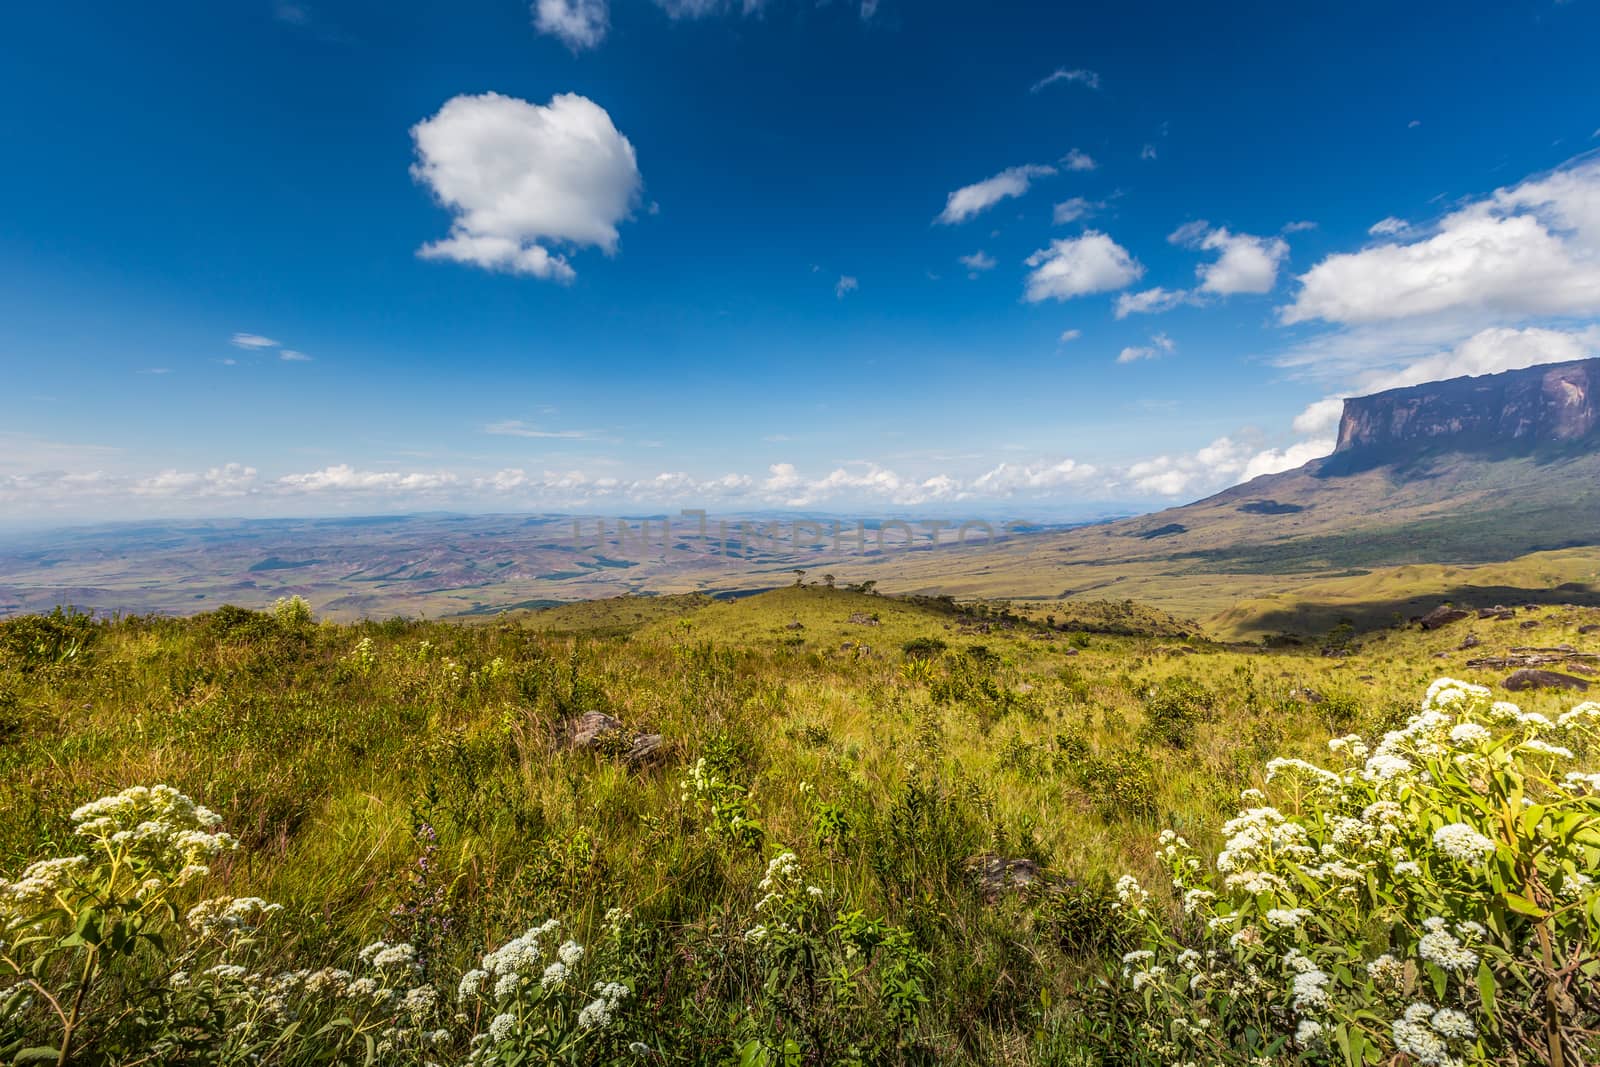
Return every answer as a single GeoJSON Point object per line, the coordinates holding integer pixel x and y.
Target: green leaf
{"type": "Point", "coordinates": [1486, 986]}
{"type": "Point", "coordinates": [1523, 905]}
{"type": "Point", "coordinates": [38, 1054]}
{"type": "Point", "coordinates": [87, 930]}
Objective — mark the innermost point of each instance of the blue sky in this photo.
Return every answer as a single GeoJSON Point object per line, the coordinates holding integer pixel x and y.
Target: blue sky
{"type": "Point", "coordinates": [842, 256]}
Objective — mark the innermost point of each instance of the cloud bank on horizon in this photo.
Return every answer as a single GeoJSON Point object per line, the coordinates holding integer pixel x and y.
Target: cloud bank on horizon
{"type": "Point", "coordinates": [1031, 260]}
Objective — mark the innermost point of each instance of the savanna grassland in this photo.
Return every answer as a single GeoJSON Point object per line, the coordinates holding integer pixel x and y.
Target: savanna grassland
{"type": "Point", "coordinates": [812, 826]}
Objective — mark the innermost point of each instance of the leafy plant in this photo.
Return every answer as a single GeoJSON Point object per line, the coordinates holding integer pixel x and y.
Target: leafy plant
{"type": "Point", "coordinates": [1433, 897]}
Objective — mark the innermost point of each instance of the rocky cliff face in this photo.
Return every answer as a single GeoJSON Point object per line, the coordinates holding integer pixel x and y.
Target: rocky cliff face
{"type": "Point", "coordinates": [1521, 410]}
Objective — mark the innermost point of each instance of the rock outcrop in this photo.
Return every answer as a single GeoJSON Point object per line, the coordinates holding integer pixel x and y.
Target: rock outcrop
{"type": "Point", "coordinates": [1529, 678]}
{"type": "Point", "coordinates": [1551, 405]}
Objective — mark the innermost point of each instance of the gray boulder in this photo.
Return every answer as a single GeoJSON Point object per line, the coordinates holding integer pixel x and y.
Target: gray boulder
{"type": "Point", "coordinates": [1530, 678]}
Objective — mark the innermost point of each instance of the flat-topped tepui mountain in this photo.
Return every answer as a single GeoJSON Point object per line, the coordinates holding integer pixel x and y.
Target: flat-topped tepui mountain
{"type": "Point", "coordinates": [1550, 407]}
{"type": "Point", "coordinates": [1433, 490]}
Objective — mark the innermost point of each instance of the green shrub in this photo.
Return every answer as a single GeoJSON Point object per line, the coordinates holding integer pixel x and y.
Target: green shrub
{"type": "Point", "coordinates": [1174, 709]}
{"type": "Point", "coordinates": [923, 646]}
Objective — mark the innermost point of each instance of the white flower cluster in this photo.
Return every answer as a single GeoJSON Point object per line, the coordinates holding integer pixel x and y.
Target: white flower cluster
{"type": "Point", "coordinates": [521, 989]}
{"type": "Point", "coordinates": [1131, 895]}
{"type": "Point", "coordinates": [158, 827]}
{"type": "Point", "coordinates": [1304, 916]}
{"type": "Point", "coordinates": [44, 879]}
{"type": "Point", "coordinates": [598, 1012]}
{"type": "Point", "coordinates": [1425, 1033]}
{"type": "Point", "coordinates": [1438, 946]}
{"type": "Point", "coordinates": [382, 956]}
{"type": "Point", "coordinates": [224, 916]}
{"type": "Point", "coordinates": [1463, 844]}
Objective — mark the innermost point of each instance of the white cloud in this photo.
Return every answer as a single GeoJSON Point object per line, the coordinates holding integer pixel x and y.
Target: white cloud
{"type": "Point", "coordinates": [1159, 343]}
{"type": "Point", "coordinates": [515, 174]}
{"type": "Point", "coordinates": [1076, 160]}
{"type": "Point", "coordinates": [1151, 301]}
{"type": "Point", "coordinates": [1206, 468]}
{"type": "Point", "coordinates": [1320, 417]}
{"type": "Point", "coordinates": [1488, 351]}
{"type": "Point", "coordinates": [1246, 264]}
{"type": "Point", "coordinates": [1388, 226]}
{"type": "Point", "coordinates": [1087, 78]}
{"type": "Point", "coordinates": [978, 197]}
{"type": "Point", "coordinates": [518, 428]}
{"type": "Point", "coordinates": [1009, 478]}
{"type": "Point", "coordinates": [1275, 460]}
{"type": "Point", "coordinates": [1068, 336]}
{"type": "Point", "coordinates": [289, 355]}
{"type": "Point", "coordinates": [579, 24]}
{"type": "Point", "coordinates": [1148, 152]}
{"type": "Point", "coordinates": [869, 8]}
{"type": "Point", "coordinates": [1224, 462]}
{"type": "Point", "coordinates": [1298, 227]}
{"type": "Point", "coordinates": [978, 261]}
{"type": "Point", "coordinates": [1525, 251]}
{"type": "Point", "coordinates": [229, 480]}
{"type": "Point", "coordinates": [252, 341]}
{"type": "Point", "coordinates": [845, 284]}
{"type": "Point", "coordinates": [1092, 263]}
{"type": "Point", "coordinates": [343, 478]}
{"type": "Point", "coordinates": [1074, 209]}
{"type": "Point", "coordinates": [1494, 350]}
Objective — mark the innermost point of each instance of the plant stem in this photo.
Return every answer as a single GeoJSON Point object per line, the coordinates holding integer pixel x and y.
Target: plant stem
{"type": "Point", "coordinates": [84, 983]}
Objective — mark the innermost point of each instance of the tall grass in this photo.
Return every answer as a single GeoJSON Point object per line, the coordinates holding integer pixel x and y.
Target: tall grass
{"type": "Point", "coordinates": [414, 782]}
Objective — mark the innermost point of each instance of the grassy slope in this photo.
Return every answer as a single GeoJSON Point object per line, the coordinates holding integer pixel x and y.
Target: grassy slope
{"type": "Point", "coordinates": [1246, 573]}
{"type": "Point", "coordinates": [322, 766]}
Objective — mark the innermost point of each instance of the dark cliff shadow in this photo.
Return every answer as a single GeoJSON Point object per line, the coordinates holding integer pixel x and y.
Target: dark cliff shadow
{"type": "Point", "coordinates": [1314, 616]}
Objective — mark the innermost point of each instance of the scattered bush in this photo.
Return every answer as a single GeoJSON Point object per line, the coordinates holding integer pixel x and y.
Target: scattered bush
{"type": "Point", "coordinates": [1174, 709]}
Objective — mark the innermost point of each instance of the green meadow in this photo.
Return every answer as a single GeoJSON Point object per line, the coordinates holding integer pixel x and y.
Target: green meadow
{"type": "Point", "coordinates": [811, 826]}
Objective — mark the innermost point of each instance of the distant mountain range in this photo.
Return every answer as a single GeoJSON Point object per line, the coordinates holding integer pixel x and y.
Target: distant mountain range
{"type": "Point", "coordinates": [1479, 489]}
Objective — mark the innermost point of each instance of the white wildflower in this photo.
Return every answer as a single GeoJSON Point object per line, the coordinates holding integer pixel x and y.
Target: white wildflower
{"type": "Point", "coordinates": [1469, 734]}
{"type": "Point", "coordinates": [1386, 971]}
{"type": "Point", "coordinates": [395, 956]}
{"type": "Point", "coordinates": [1310, 990]}
{"type": "Point", "coordinates": [1414, 1035]}
{"type": "Point", "coordinates": [1453, 1024]}
{"type": "Point", "coordinates": [1440, 948]}
{"type": "Point", "coordinates": [1384, 766]}
{"type": "Point", "coordinates": [1462, 843]}
{"type": "Point", "coordinates": [1286, 918]}
{"type": "Point", "coordinates": [501, 1027]}
{"type": "Point", "coordinates": [1587, 710]}
{"type": "Point", "coordinates": [1449, 692]}
{"type": "Point", "coordinates": [471, 983]}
